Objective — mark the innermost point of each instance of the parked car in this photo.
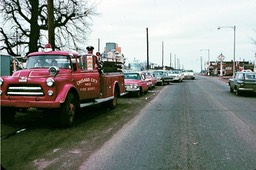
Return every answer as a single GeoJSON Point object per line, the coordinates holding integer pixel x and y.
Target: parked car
{"type": "Point", "coordinates": [243, 82]}
{"type": "Point", "coordinates": [162, 77]}
{"type": "Point", "coordinates": [189, 74]}
{"type": "Point", "coordinates": [176, 75]}
{"type": "Point", "coordinates": [152, 81]}
{"type": "Point", "coordinates": [135, 83]}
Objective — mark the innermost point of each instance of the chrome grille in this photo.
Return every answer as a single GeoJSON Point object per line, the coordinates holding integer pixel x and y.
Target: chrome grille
{"type": "Point", "coordinates": [28, 90]}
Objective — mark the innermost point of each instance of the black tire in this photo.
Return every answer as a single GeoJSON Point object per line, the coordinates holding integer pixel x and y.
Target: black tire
{"type": "Point", "coordinates": [138, 93]}
{"type": "Point", "coordinates": [237, 92]}
{"type": "Point", "coordinates": [162, 83]}
{"type": "Point", "coordinates": [113, 102]}
{"type": "Point", "coordinates": [146, 92]}
{"type": "Point", "coordinates": [231, 90]}
{"type": "Point", "coordinates": [8, 114]}
{"type": "Point", "coordinates": [68, 110]}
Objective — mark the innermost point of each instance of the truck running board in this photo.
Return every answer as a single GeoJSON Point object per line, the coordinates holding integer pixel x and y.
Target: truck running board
{"type": "Point", "coordinates": [97, 101]}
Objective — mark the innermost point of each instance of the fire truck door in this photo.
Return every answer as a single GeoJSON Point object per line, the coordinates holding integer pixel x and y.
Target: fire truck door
{"type": "Point", "coordinates": [88, 84]}
{"type": "Point", "coordinates": [87, 79]}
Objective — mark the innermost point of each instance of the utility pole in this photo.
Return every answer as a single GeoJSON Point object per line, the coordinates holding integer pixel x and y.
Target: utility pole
{"type": "Point", "coordinates": [170, 59]}
{"type": "Point", "coordinates": [201, 63]}
{"type": "Point", "coordinates": [254, 69]}
{"type": "Point", "coordinates": [234, 50]}
{"type": "Point", "coordinates": [147, 49]}
{"type": "Point", "coordinates": [98, 45]}
{"type": "Point", "coordinates": [51, 39]}
{"type": "Point", "coordinates": [208, 62]}
{"type": "Point", "coordinates": [175, 61]}
{"type": "Point", "coordinates": [162, 54]}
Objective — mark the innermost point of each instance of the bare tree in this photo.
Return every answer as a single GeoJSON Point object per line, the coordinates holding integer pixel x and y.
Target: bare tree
{"type": "Point", "coordinates": [26, 24]}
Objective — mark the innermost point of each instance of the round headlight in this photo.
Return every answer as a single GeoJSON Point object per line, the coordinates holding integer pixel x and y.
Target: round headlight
{"type": "Point", "coordinates": [50, 82]}
{"type": "Point", "coordinates": [50, 92]}
{"type": "Point", "coordinates": [53, 70]}
{"type": "Point", "coordinates": [1, 81]}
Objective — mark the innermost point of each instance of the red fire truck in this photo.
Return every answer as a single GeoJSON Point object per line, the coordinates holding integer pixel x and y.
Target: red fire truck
{"type": "Point", "coordinates": [61, 80]}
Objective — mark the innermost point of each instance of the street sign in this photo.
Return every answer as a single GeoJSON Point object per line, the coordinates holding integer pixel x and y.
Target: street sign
{"type": "Point", "coordinates": [221, 57]}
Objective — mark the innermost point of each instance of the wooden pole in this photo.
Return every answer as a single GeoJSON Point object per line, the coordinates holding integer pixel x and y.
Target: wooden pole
{"type": "Point", "coordinates": [162, 54]}
{"type": "Point", "coordinates": [51, 39]}
{"type": "Point", "coordinates": [147, 49]}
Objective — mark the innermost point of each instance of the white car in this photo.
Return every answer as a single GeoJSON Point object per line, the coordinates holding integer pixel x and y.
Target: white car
{"type": "Point", "coordinates": [176, 75]}
{"type": "Point", "coordinates": [189, 74]}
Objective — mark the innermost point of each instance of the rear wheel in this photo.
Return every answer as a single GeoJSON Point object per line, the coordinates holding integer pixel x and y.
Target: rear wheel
{"type": "Point", "coordinates": [8, 114]}
{"type": "Point", "coordinates": [68, 110]}
{"type": "Point", "coordinates": [113, 102]}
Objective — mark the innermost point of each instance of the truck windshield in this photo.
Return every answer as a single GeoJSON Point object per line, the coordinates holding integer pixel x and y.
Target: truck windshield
{"type": "Point", "coordinates": [45, 61]}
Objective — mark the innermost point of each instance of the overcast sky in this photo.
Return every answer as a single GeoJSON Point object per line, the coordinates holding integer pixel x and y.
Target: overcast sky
{"type": "Point", "coordinates": [185, 27]}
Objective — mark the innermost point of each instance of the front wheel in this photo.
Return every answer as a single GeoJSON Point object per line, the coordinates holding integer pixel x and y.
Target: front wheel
{"type": "Point", "coordinates": [162, 83]}
{"type": "Point", "coordinates": [68, 110]}
{"type": "Point", "coordinates": [231, 90]}
{"type": "Point", "coordinates": [138, 93]}
{"type": "Point", "coordinates": [237, 92]}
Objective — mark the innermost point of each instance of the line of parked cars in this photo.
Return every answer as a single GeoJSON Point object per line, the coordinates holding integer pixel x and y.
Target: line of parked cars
{"type": "Point", "coordinates": [138, 83]}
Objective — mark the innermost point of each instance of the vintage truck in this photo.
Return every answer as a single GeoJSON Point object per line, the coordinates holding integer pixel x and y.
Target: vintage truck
{"type": "Point", "coordinates": [61, 80]}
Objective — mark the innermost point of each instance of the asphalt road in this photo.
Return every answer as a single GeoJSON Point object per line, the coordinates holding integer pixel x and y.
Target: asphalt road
{"type": "Point", "coordinates": [195, 124]}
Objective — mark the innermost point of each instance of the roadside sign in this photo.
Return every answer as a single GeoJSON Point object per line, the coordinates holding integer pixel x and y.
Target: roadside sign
{"type": "Point", "coordinates": [221, 57]}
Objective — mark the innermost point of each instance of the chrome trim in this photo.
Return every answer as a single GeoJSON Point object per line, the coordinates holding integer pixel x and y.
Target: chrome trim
{"type": "Point", "coordinates": [26, 93]}
{"type": "Point", "coordinates": [25, 88]}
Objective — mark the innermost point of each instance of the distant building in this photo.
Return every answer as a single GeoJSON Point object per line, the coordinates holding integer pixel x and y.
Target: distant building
{"type": "Point", "coordinates": [112, 52]}
{"type": "Point", "coordinates": [227, 67]}
{"type": "Point", "coordinates": [110, 46]}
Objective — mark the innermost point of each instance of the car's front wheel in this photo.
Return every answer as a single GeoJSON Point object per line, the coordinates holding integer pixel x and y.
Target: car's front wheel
{"type": "Point", "coordinates": [231, 89]}
{"type": "Point", "coordinates": [139, 93]}
{"type": "Point", "coordinates": [162, 83]}
{"type": "Point", "coordinates": [68, 110]}
{"type": "Point", "coordinates": [237, 92]}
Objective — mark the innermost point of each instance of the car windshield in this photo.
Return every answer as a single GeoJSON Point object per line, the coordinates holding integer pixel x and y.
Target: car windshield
{"type": "Point", "coordinates": [174, 72]}
{"type": "Point", "coordinates": [188, 71]}
{"type": "Point", "coordinates": [250, 76]}
{"type": "Point", "coordinates": [135, 76]}
{"type": "Point", "coordinates": [45, 61]}
{"type": "Point", "coordinates": [158, 73]}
